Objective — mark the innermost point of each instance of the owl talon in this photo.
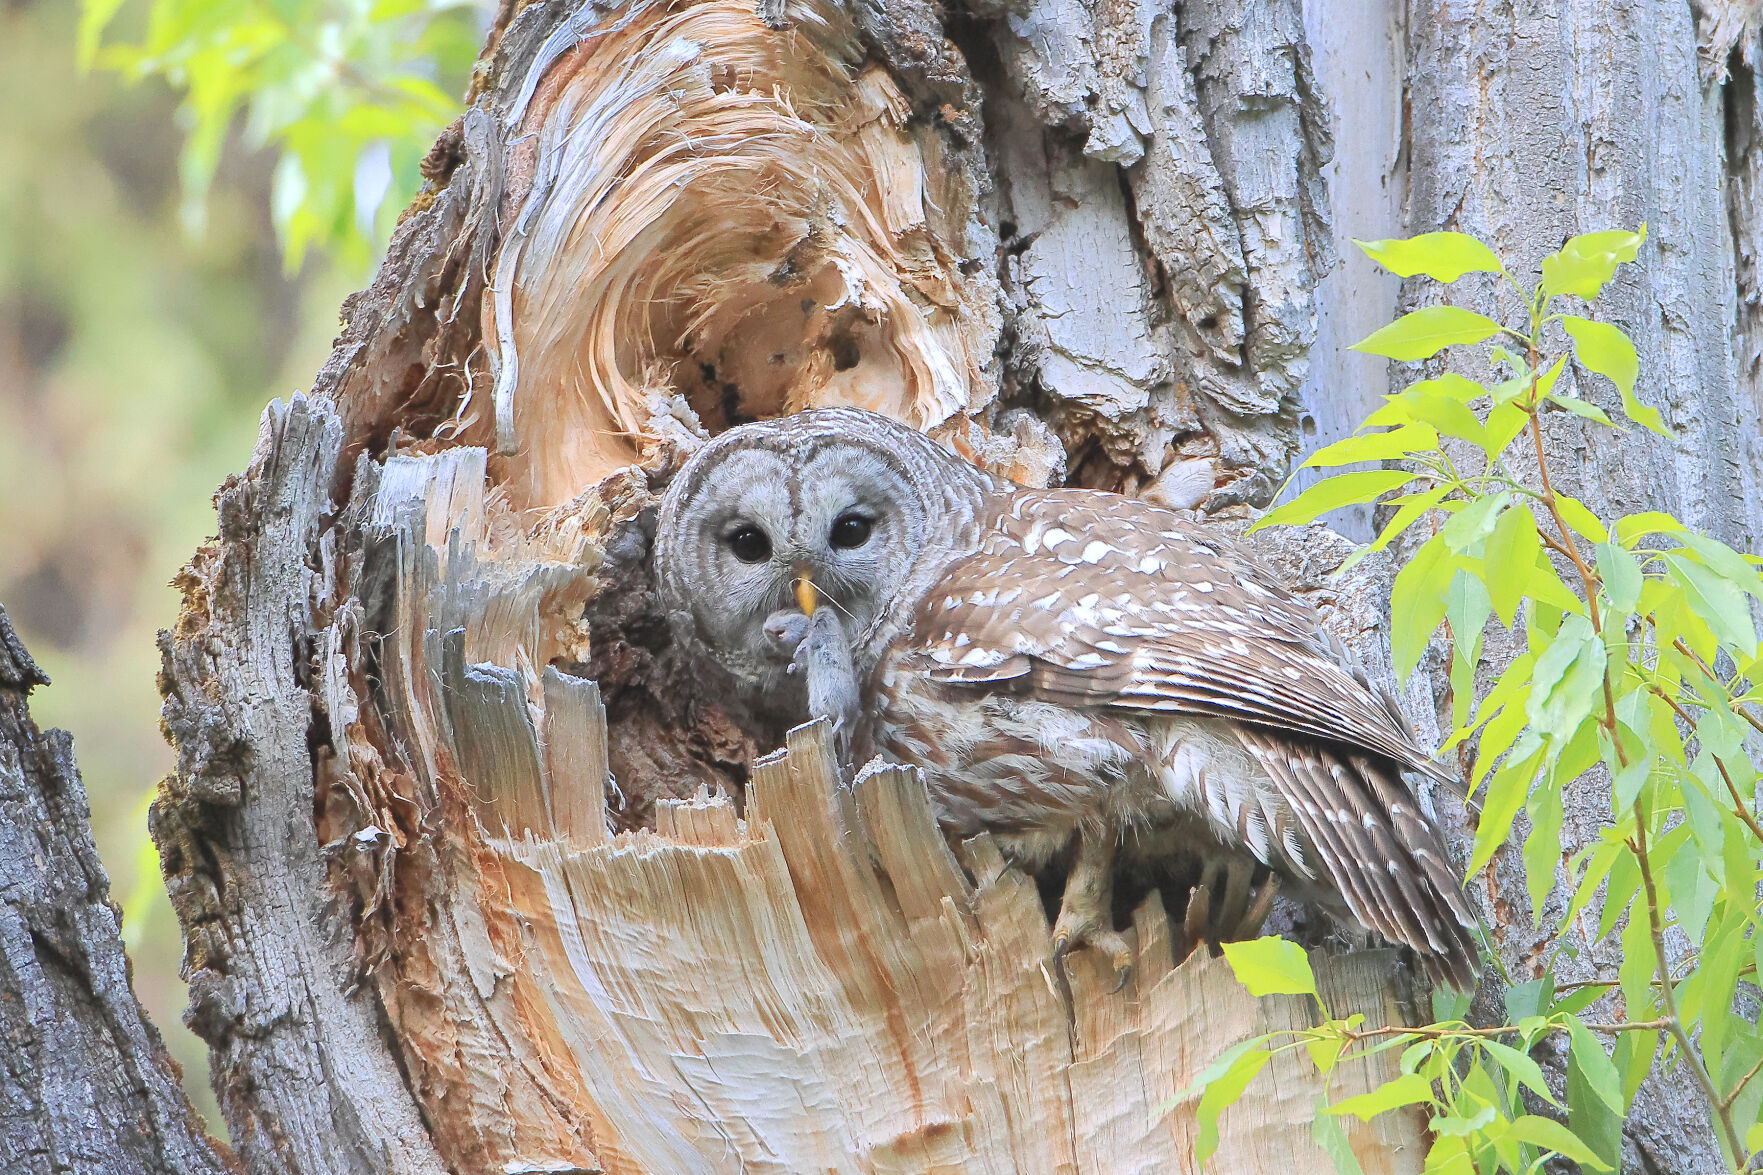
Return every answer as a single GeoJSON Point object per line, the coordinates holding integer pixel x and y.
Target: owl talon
{"type": "Point", "coordinates": [1085, 913]}
{"type": "Point", "coordinates": [1110, 942]}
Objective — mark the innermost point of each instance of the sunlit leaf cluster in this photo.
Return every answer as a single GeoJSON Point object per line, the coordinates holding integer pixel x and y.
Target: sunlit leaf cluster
{"type": "Point", "coordinates": [347, 93]}
{"type": "Point", "coordinates": [1636, 687]}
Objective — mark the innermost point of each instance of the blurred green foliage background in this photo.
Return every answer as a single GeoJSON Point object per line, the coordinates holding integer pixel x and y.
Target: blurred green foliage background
{"type": "Point", "coordinates": [188, 189]}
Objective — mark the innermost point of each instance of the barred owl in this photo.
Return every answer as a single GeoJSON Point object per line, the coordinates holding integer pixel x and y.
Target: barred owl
{"type": "Point", "coordinates": [1068, 668]}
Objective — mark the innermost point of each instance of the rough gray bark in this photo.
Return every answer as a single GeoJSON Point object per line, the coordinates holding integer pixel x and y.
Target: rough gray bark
{"type": "Point", "coordinates": [302, 1071]}
{"type": "Point", "coordinates": [1133, 209]}
{"type": "Point", "coordinates": [85, 1082]}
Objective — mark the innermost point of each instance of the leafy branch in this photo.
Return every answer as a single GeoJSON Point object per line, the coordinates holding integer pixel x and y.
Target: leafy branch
{"type": "Point", "coordinates": [348, 93]}
{"type": "Point", "coordinates": [1639, 667]}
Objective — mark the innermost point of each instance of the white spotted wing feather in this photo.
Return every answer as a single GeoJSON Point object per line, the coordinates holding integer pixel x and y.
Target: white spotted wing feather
{"type": "Point", "coordinates": [1112, 605]}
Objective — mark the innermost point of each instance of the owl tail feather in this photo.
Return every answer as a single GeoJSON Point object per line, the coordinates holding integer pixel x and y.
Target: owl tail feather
{"type": "Point", "coordinates": [1367, 837]}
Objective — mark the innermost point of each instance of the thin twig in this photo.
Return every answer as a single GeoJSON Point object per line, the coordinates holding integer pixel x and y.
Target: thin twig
{"type": "Point", "coordinates": [1441, 1033]}
{"type": "Point", "coordinates": [1738, 802]}
{"type": "Point", "coordinates": [1738, 708]}
{"type": "Point", "coordinates": [1740, 1087]}
{"type": "Point", "coordinates": [1588, 578]}
{"type": "Point", "coordinates": [1554, 544]}
{"type": "Point", "coordinates": [1684, 965]}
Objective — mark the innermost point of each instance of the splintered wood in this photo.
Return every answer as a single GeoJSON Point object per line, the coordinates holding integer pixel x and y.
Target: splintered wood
{"type": "Point", "coordinates": [816, 984]}
{"type": "Point", "coordinates": [711, 216]}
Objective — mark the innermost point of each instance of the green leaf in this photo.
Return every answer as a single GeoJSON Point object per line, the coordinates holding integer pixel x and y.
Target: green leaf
{"type": "Point", "coordinates": [1691, 891]}
{"type": "Point", "coordinates": [1475, 521]}
{"type": "Point", "coordinates": [1500, 732]}
{"type": "Point", "coordinates": [1575, 1002]}
{"type": "Point", "coordinates": [1664, 599]}
{"type": "Point", "coordinates": [1527, 1072]}
{"type": "Point", "coordinates": [346, 95]}
{"type": "Point", "coordinates": [1504, 423]}
{"type": "Point", "coordinates": [1717, 601]}
{"type": "Point", "coordinates": [1507, 791]}
{"type": "Point", "coordinates": [1633, 1057]}
{"type": "Point", "coordinates": [1218, 1067]}
{"type": "Point", "coordinates": [1271, 966]}
{"type": "Point", "coordinates": [1703, 807]}
{"type": "Point", "coordinates": [1424, 1056]}
{"type": "Point", "coordinates": [1528, 1000]}
{"type": "Point", "coordinates": [1580, 408]}
{"type": "Point", "coordinates": [1595, 1105]}
{"type": "Point", "coordinates": [1343, 489]}
{"type": "Point", "coordinates": [1741, 866]}
{"type": "Point", "coordinates": [1513, 681]}
{"type": "Point", "coordinates": [1409, 509]}
{"type": "Point", "coordinates": [1442, 256]}
{"type": "Point", "coordinates": [1635, 972]}
{"type": "Point", "coordinates": [1582, 520]}
{"type": "Point", "coordinates": [1585, 263]}
{"type": "Point", "coordinates": [1459, 1126]}
{"type": "Point", "coordinates": [1621, 575]}
{"type": "Point", "coordinates": [95, 17]}
{"type": "Point", "coordinates": [1625, 882]}
{"type": "Point", "coordinates": [1551, 1135]}
{"type": "Point", "coordinates": [1449, 1004]}
{"type": "Point", "coordinates": [1606, 350]}
{"type": "Point", "coordinates": [1464, 660]}
{"type": "Point", "coordinates": [1405, 1090]}
{"type": "Point", "coordinates": [1511, 560]}
{"type": "Point", "coordinates": [1424, 333]}
{"type": "Point", "coordinates": [1376, 446]}
{"type": "Point", "coordinates": [1418, 600]}
{"type": "Point", "coordinates": [1467, 606]}
{"type": "Point", "coordinates": [1449, 385]}
{"type": "Point", "coordinates": [1715, 982]}
{"type": "Point", "coordinates": [1569, 679]}
{"type": "Point", "coordinates": [1631, 528]}
{"type": "Point", "coordinates": [1508, 390]}
{"type": "Point", "coordinates": [1725, 562]}
{"type": "Point", "coordinates": [1326, 1133]}
{"type": "Point", "coordinates": [1221, 1093]}
{"type": "Point", "coordinates": [1325, 1051]}
{"type": "Point", "coordinates": [1444, 412]}
{"type": "Point", "coordinates": [1545, 384]}
{"type": "Point", "coordinates": [1579, 755]}
{"type": "Point", "coordinates": [1542, 845]}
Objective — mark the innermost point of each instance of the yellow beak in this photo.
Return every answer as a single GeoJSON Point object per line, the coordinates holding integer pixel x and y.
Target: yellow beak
{"type": "Point", "coordinates": [805, 593]}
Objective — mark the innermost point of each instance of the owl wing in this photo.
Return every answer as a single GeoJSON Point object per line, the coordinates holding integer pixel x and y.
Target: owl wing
{"type": "Point", "coordinates": [1093, 599]}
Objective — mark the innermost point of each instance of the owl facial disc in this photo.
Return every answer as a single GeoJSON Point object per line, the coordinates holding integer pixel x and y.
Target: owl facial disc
{"type": "Point", "coordinates": [835, 509]}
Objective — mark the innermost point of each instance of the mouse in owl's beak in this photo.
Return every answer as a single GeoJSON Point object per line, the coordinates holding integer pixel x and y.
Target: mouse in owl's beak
{"type": "Point", "coordinates": [820, 653]}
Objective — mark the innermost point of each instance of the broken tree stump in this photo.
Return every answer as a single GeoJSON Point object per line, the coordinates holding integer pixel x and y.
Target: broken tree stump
{"type": "Point", "coordinates": [813, 981]}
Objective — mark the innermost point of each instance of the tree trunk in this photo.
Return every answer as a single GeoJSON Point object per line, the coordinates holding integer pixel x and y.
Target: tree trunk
{"type": "Point", "coordinates": [86, 1083]}
{"type": "Point", "coordinates": [473, 878]}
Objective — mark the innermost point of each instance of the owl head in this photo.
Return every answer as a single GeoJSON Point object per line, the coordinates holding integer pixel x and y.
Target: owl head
{"type": "Point", "coordinates": [836, 508]}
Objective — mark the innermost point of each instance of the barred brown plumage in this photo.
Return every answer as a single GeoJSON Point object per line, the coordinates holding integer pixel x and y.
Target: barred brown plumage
{"type": "Point", "coordinates": [1066, 665]}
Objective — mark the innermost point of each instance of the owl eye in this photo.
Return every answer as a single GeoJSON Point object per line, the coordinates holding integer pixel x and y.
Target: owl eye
{"type": "Point", "coordinates": [749, 544]}
{"type": "Point", "coordinates": [850, 530]}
